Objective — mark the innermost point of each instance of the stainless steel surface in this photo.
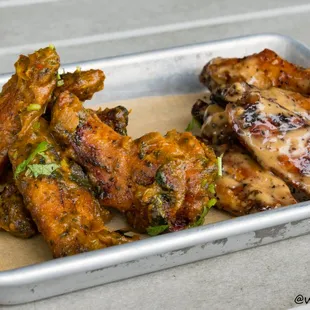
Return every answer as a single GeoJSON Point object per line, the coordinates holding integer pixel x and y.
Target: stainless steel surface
{"type": "Point", "coordinates": [165, 72]}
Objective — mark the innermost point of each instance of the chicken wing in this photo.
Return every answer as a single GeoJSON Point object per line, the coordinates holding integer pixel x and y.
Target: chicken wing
{"type": "Point", "coordinates": [83, 84]}
{"type": "Point", "coordinates": [277, 137]}
{"type": "Point", "coordinates": [14, 217]}
{"type": "Point", "coordinates": [263, 70]}
{"type": "Point", "coordinates": [56, 192]}
{"type": "Point", "coordinates": [155, 180]}
{"type": "Point", "coordinates": [246, 187]}
{"type": "Point", "coordinates": [26, 93]}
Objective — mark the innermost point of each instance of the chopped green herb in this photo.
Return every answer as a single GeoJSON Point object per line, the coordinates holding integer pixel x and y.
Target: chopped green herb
{"type": "Point", "coordinates": [211, 188]}
{"type": "Point", "coordinates": [78, 69]}
{"type": "Point", "coordinates": [204, 182]}
{"type": "Point", "coordinates": [156, 230]}
{"type": "Point", "coordinates": [201, 218]}
{"type": "Point", "coordinates": [42, 147]}
{"type": "Point", "coordinates": [33, 107]}
{"type": "Point", "coordinates": [211, 203]}
{"type": "Point", "coordinates": [60, 83]}
{"type": "Point", "coordinates": [58, 76]}
{"type": "Point", "coordinates": [51, 46]}
{"type": "Point", "coordinates": [219, 165]}
{"type": "Point", "coordinates": [194, 123]}
{"type": "Point", "coordinates": [36, 126]}
{"type": "Point", "coordinates": [42, 169]}
{"type": "Point", "coordinates": [205, 211]}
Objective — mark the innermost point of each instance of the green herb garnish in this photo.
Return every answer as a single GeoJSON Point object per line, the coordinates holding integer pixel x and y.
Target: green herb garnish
{"type": "Point", "coordinates": [156, 230]}
{"type": "Point", "coordinates": [220, 165]}
{"type": "Point", "coordinates": [36, 126]}
{"type": "Point", "coordinates": [60, 83]}
{"type": "Point", "coordinates": [42, 147]}
{"type": "Point", "coordinates": [52, 46]}
{"type": "Point", "coordinates": [194, 123]}
{"type": "Point", "coordinates": [33, 107]}
{"type": "Point", "coordinates": [42, 169]}
{"type": "Point", "coordinates": [78, 69]}
{"type": "Point", "coordinates": [211, 188]}
{"type": "Point", "coordinates": [205, 211]}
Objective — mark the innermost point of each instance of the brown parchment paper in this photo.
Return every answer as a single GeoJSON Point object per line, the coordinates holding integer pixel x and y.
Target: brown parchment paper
{"type": "Point", "coordinates": [147, 114]}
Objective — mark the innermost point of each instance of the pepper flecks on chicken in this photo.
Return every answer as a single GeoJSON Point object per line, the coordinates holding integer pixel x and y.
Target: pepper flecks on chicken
{"type": "Point", "coordinates": [154, 179]}
{"type": "Point", "coordinates": [263, 70]}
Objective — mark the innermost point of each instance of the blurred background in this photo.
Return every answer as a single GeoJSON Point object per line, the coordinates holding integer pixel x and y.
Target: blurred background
{"type": "Point", "coordinates": [83, 30]}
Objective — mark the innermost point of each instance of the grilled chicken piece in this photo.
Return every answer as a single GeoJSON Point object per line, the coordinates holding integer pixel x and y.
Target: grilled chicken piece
{"type": "Point", "coordinates": [26, 93]}
{"type": "Point", "coordinates": [277, 137]}
{"type": "Point", "coordinates": [116, 118]}
{"type": "Point", "coordinates": [81, 83]}
{"type": "Point", "coordinates": [246, 187]}
{"type": "Point", "coordinates": [263, 70]}
{"type": "Point", "coordinates": [56, 193]}
{"type": "Point", "coordinates": [155, 180]}
{"type": "Point", "coordinates": [14, 217]}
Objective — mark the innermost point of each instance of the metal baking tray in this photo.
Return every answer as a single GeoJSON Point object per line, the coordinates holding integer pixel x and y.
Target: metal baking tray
{"type": "Point", "coordinates": [171, 71]}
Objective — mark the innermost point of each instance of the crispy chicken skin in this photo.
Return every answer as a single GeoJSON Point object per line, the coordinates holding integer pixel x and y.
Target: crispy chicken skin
{"type": "Point", "coordinates": [14, 217]}
{"type": "Point", "coordinates": [277, 137]}
{"type": "Point", "coordinates": [246, 187]}
{"type": "Point", "coordinates": [263, 70]}
{"type": "Point", "coordinates": [29, 88]}
{"type": "Point", "coordinates": [83, 84]}
{"type": "Point", "coordinates": [155, 180]}
{"type": "Point", "coordinates": [65, 212]}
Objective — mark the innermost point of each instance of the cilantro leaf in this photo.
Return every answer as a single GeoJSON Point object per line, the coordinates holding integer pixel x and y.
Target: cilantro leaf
{"type": "Point", "coordinates": [42, 147]}
{"type": "Point", "coordinates": [156, 230]}
{"type": "Point", "coordinates": [194, 123]}
{"type": "Point", "coordinates": [42, 169]}
{"type": "Point", "coordinates": [204, 213]}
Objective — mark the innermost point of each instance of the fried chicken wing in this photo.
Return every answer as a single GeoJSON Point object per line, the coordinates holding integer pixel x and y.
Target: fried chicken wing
{"type": "Point", "coordinates": [14, 217]}
{"type": "Point", "coordinates": [57, 195]}
{"type": "Point", "coordinates": [26, 93]}
{"type": "Point", "coordinates": [246, 187]}
{"type": "Point", "coordinates": [83, 84]}
{"type": "Point", "coordinates": [154, 180]}
{"type": "Point", "coordinates": [263, 70]}
{"type": "Point", "coordinates": [276, 136]}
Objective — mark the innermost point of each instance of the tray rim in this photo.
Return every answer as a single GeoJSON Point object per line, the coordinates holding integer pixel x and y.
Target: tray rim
{"type": "Point", "coordinates": [104, 258]}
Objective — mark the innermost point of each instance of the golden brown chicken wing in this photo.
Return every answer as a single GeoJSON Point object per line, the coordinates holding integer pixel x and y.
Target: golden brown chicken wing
{"type": "Point", "coordinates": [246, 187]}
{"type": "Point", "coordinates": [14, 217]}
{"type": "Point", "coordinates": [156, 180]}
{"type": "Point", "coordinates": [56, 193]}
{"type": "Point", "coordinates": [263, 70]}
{"type": "Point", "coordinates": [83, 84]}
{"type": "Point", "coordinates": [26, 93]}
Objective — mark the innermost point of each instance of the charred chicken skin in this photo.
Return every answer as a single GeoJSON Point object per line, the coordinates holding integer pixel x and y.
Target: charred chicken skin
{"type": "Point", "coordinates": [154, 180]}
{"type": "Point", "coordinates": [263, 70]}
{"type": "Point", "coordinates": [14, 217]}
{"type": "Point", "coordinates": [26, 93]}
{"type": "Point", "coordinates": [56, 192]}
{"type": "Point", "coordinates": [246, 187]}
